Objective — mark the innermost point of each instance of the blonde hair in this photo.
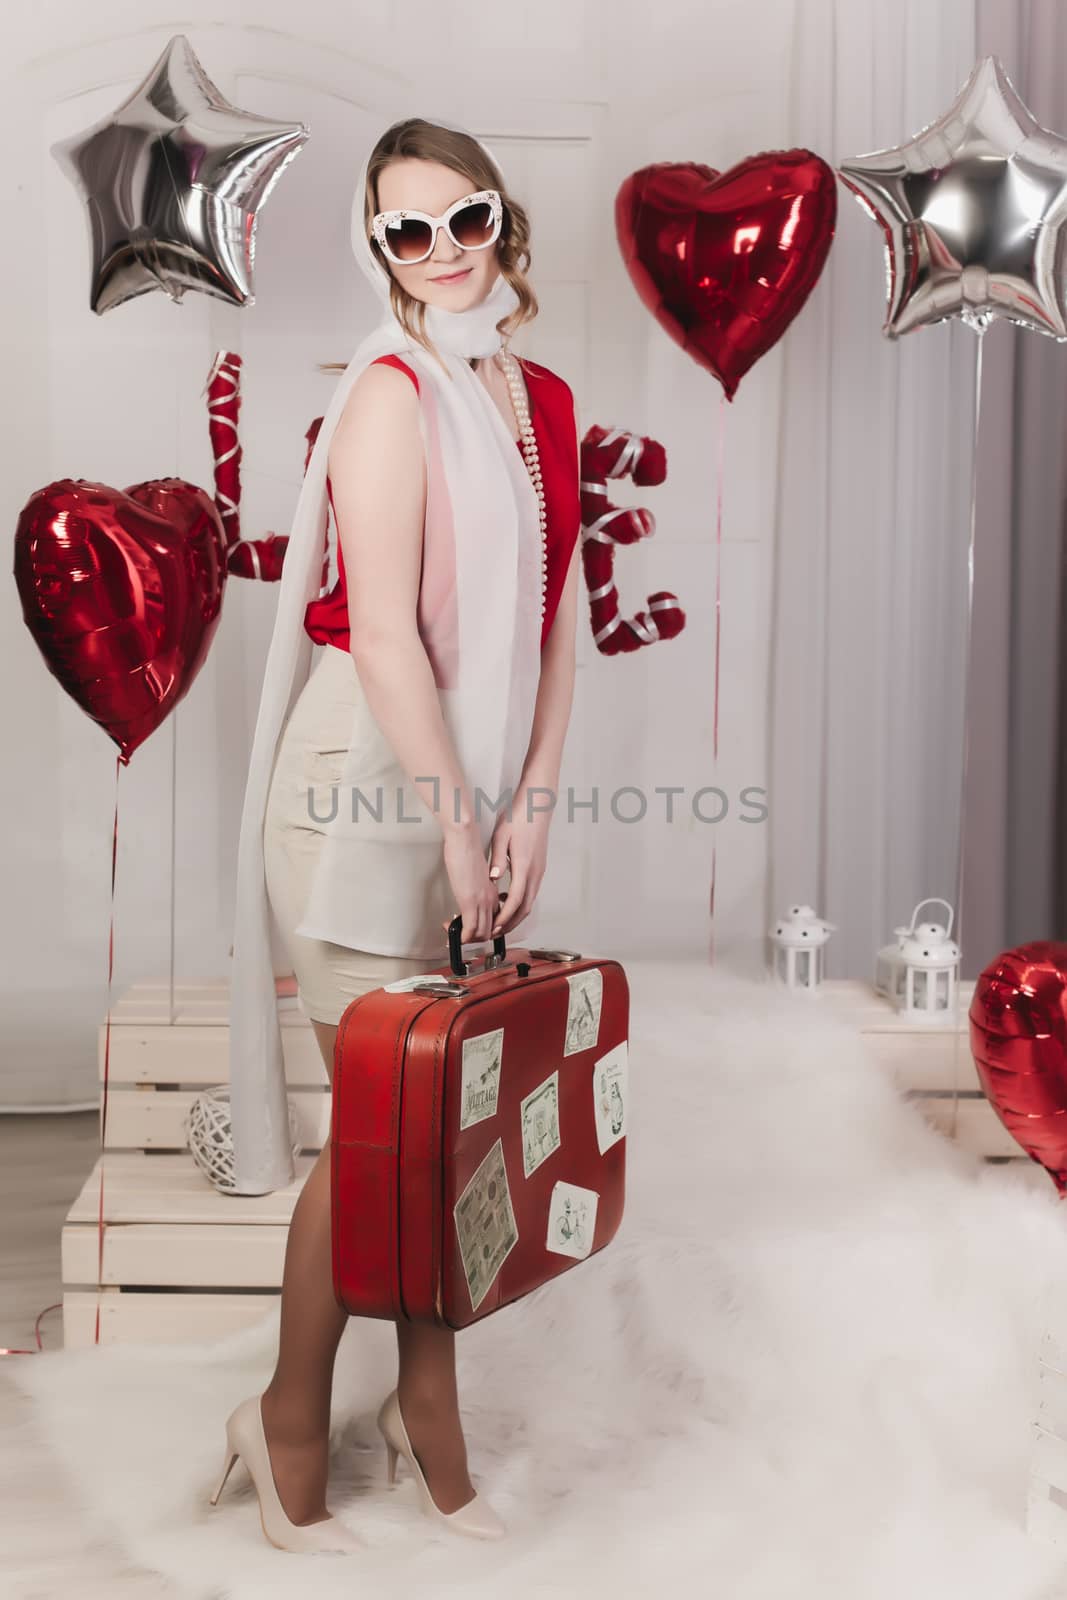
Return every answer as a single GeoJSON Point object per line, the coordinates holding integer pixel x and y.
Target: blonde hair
{"type": "Point", "coordinates": [426, 141]}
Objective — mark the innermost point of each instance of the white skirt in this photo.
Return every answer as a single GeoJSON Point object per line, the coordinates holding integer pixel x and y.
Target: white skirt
{"type": "Point", "coordinates": [311, 753]}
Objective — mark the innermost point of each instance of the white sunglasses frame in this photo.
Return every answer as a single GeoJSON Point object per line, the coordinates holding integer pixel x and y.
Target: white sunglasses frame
{"type": "Point", "coordinates": [384, 218]}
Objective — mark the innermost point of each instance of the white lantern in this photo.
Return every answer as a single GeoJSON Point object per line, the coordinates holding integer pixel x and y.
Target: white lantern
{"type": "Point", "coordinates": [798, 939]}
{"type": "Point", "coordinates": [920, 971]}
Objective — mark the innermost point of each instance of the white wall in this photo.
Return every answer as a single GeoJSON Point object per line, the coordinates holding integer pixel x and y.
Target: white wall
{"type": "Point", "coordinates": [572, 97]}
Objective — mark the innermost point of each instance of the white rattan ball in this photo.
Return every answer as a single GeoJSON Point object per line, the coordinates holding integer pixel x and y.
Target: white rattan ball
{"type": "Point", "coordinates": [210, 1137]}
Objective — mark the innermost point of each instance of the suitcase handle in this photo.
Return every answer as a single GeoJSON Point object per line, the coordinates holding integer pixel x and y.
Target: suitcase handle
{"type": "Point", "coordinates": [460, 967]}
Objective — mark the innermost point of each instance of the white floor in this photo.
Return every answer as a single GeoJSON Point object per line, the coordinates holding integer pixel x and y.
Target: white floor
{"type": "Point", "coordinates": [803, 1368]}
{"type": "Point", "coordinates": [50, 1547]}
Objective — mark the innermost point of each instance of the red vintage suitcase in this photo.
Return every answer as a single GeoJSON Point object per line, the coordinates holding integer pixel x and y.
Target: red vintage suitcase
{"type": "Point", "coordinates": [478, 1132]}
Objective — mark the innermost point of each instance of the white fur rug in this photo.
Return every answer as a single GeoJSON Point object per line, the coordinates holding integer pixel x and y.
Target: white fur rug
{"type": "Point", "coordinates": [804, 1367]}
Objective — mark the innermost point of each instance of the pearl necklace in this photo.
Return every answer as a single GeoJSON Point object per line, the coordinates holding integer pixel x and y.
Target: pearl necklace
{"type": "Point", "coordinates": [531, 455]}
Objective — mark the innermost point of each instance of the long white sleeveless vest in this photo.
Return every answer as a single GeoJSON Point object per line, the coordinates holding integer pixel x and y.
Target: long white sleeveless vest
{"type": "Point", "coordinates": [479, 617]}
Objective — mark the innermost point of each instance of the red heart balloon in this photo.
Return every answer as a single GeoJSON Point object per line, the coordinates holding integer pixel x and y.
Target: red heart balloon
{"type": "Point", "coordinates": [122, 591]}
{"type": "Point", "coordinates": [725, 260]}
{"type": "Point", "coordinates": [1018, 1031]}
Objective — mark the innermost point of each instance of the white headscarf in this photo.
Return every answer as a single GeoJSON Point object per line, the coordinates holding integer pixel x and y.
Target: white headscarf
{"type": "Point", "coordinates": [482, 525]}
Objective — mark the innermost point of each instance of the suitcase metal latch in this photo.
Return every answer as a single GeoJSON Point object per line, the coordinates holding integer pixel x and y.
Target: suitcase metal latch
{"type": "Point", "coordinates": [556, 955]}
{"type": "Point", "coordinates": [441, 986]}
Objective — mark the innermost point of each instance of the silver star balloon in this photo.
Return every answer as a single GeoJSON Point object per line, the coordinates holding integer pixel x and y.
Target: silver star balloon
{"type": "Point", "coordinates": [974, 210]}
{"type": "Point", "coordinates": [172, 183]}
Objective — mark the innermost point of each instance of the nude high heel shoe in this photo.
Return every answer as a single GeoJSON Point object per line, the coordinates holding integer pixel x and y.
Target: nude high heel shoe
{"type": "Point", "coordinates": [245, 1438]}
{"type": "Point", "coordinates": [477, 1518]}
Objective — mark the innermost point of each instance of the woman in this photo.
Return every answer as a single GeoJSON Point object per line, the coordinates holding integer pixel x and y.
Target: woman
{"type": "Point", "coordinates": [448, 671]}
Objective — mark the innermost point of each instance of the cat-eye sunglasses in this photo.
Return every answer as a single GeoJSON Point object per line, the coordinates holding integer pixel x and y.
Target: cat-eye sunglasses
{"type": "Point", "coordinates": [472, 223]}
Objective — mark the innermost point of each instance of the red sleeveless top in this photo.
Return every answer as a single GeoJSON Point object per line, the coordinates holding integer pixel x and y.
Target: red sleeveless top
{"type": "Point", "coordinates": [553, 418]}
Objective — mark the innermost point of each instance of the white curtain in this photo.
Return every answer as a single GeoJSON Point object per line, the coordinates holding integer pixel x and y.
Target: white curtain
{"type": "Point", "coordinates": [1015, 817]}
{"type": "Point", "coordinates": [873, 518]}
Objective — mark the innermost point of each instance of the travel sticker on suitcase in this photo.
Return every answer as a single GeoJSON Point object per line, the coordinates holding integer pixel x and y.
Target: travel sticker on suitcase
{"type": "Point", "coordinates": [480, 1081]}
{"type": "Point", "coordinates": [485, 1224]}
{"type": "Point", "coordinates": [540, 1123]}
{"type": "Point", "coordinates": [571, 1220]}
{"type": "Point", "coordinates": [584, 999]}
{"type": "Point", "coordinates": [610, 1097]}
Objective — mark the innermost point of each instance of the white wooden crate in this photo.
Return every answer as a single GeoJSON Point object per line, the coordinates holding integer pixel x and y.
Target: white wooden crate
{"type": "Point", "coordinates": [182, 1261]}
{"type": "Point", "coordinates": [156, 1067]}
{"type": "Point", "coordinates": [930, 1062]}
{"type": "Point", "coordinates": [1046, 1501]}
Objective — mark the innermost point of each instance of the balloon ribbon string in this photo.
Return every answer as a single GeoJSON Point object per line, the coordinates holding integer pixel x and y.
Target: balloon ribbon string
{"type": "Point", "coordinates": [12, 1350]}
{"type": "Point", "coordinates": [956, 1022]}
{"type": "Point", "coordinates": [107, 1058]}
{"type": "Point", "coordinates": [718, 630]}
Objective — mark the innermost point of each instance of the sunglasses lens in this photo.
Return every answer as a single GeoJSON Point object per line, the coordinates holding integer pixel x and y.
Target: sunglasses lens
{"type": "Point", "coordinates": [472, 225]}
{"type": "Point", "coordinates": [409, 239]}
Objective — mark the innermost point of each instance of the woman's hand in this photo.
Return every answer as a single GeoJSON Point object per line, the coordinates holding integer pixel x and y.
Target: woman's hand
{"type": "Point", "coordinates": [522, 840]}
{"type": "Point", "coordinates": [477, 896]}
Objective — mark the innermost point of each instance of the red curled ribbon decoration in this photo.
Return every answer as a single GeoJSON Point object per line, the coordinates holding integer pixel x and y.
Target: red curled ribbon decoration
{"type": "Point", "coordinates": [246, 558]}
{"type": "Point", "coordinates": [613, 453]}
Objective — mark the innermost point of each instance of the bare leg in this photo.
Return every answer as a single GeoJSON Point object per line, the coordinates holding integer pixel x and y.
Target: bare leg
{"type": "Point", "coordinates": [296, 1402]}
{"type": "Point", "coordinates": [429, 1403]}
